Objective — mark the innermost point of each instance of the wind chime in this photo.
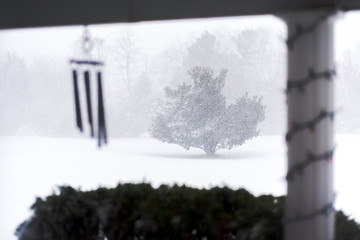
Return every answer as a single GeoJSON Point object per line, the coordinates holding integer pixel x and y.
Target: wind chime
{"type": "Point", "coordinates": [93, 97]}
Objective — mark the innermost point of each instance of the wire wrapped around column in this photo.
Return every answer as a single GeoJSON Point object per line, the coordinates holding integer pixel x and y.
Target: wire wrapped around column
{"type": "Point", "coordinates": [309, 210]}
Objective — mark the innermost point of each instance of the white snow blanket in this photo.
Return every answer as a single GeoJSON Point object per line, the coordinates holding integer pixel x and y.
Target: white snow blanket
{"type": "Point", "coordinates": [33, 166]}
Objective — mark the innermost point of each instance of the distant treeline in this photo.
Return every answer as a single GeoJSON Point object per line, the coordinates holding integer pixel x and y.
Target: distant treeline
{"type": "Point", "coordinates": [36, 97]}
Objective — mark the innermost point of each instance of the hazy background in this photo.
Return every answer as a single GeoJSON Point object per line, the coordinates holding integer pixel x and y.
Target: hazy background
{"type": "Point", "coordinates": [141, 59]}
{"type": "Point", "coordinates": [36, 96]}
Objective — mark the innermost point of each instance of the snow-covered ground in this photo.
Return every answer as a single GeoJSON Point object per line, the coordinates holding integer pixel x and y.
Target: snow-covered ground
{"type": "Point", "coordinates": [34, 166]}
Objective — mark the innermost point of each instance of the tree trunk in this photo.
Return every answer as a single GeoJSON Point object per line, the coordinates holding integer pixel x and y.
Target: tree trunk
{"type": "Point", "coordinates": [210, 150]}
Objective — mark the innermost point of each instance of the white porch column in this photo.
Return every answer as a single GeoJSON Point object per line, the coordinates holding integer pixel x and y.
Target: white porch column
{"type": "Point", "coordinates": [309, 211]}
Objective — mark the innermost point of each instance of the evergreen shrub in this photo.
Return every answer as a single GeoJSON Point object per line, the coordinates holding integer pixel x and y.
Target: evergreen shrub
{"type": "Point", "coordinates": [138, 211]}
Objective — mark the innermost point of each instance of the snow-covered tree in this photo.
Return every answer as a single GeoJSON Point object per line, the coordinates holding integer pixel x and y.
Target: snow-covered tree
{"type": "Point", "coordinates": [347, 91]}
{"type": "Point", "coordinates": [15, 94]}
{"type": "Point", "coordinates": [261, 54]}
{"type": "Point", "coordinates": [126, 56]}
{"type": "Point", "coordinates": [197, 116]}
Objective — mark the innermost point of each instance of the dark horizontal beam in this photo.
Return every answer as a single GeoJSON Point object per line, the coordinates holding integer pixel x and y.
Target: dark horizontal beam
{"type": "Point", "coordinates": [39, 13]}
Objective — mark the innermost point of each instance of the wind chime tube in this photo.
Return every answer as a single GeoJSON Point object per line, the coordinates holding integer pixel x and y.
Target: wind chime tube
{"type": "Point", "coordinates": [77, 101]}
{"type": "Point", "coordinates": [88, 101]}
{"type": "Point", "coordinates": [101, 112]}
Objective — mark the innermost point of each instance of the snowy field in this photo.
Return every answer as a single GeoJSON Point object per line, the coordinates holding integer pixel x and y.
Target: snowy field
{"type": "Point", "coordinates": [34, 166]}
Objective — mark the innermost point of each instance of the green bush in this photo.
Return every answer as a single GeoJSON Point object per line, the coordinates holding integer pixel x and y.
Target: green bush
{"type": "Point", "coordinates": [346, 229]}
{"type": "Point", "coordinates": [138, 211]}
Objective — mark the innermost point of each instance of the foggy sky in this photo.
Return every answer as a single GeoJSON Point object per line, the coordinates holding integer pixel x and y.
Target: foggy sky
{"type": "Point", "coordinates": [153, 36]}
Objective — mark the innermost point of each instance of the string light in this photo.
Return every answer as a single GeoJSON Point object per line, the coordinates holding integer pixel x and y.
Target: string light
{"type": "Point", "coordinates": [311, 158]}
{"type": "Point", "coordinates": [312, 77]}
{"type": "Point", "coordinates": [327, 210]}
{"type": "Point", "coordinates": [301, 31]}
{"type": "Point", "coordinates": [310, 125]}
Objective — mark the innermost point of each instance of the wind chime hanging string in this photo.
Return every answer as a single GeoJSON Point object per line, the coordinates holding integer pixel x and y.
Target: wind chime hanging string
{"type": "Point", "coordinates": [300, 85]}
{"type": "Point", "coordinates": [87, 65]}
